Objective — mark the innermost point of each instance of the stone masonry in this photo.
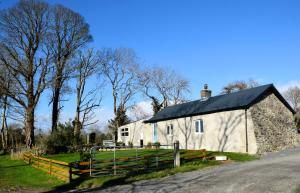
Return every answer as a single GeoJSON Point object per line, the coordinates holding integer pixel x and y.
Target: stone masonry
{"type": "Point", "coordinates": [274, 126]}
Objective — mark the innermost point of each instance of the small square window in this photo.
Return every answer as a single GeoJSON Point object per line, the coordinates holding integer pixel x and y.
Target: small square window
{"type": "Point", "coordinates": [170, 129]}
{"type": "Point", "coordinates": [199, 126]}
{"type": "Point", "coordinates": [124, 132]}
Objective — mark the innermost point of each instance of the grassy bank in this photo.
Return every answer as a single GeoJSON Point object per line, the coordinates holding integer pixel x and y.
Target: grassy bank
{"type": "Point", "coordinates": [187, 164]}
{"type": "Point", "coordinates": [15, 173]}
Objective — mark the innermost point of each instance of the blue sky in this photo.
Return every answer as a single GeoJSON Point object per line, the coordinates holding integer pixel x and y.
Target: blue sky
{"type": "Point", "coordinates": [212, 42]}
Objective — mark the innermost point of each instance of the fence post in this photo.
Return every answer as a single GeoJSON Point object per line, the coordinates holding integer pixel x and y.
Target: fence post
{"type": "Point", "coordinates": [70, 173]}
{"type": "Point", "coordinates": [115, 172]}
{"type": "Point", "coordinates": [91, 161]}
{"type": "Point", "coordinates": [50, 168]}
{"type": "Point", "coordinates": [136, 159]}
{"type": "Point", "coordinates": [176, 154]}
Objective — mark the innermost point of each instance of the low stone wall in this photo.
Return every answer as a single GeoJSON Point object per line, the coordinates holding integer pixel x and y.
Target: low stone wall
{"type": "Point", "coordinates": [274, 125]}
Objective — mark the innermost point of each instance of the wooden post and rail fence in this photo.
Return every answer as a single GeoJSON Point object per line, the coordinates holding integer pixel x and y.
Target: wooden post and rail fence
{"type": "Point", "coordinates": [65, 171]}
{"type": "Point", "coordinates": [59, 169]}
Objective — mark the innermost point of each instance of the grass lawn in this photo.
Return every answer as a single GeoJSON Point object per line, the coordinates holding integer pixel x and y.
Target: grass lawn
{"type": "Point", "coordinates": [72, 157]}
{"type": "Point", "coordinates": [16, 173]}
{"type": "Point", "coordinates": [187, 164]}
{"type": "Point", "coordinates": [298, 190]}
{"type": "Point", "coordinates": [184, 154]}
{"type": "Point", "coordinates": [114, 180]}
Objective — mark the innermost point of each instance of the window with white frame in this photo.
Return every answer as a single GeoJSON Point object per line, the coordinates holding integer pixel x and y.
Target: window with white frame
{"type": "Point", "coordinates": [199, 126]}
{"type": "Point", "coordinates": [124, 132]}
{"type": "Point", "coordinates": [170, 129]}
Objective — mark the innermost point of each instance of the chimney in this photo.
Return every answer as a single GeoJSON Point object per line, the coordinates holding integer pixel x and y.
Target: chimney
{"type": "Point", "coordinates": [205, 93]}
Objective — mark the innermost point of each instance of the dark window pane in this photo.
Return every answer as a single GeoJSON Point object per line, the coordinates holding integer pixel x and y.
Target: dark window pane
{"type": "Point", "coordinates": [197, 126]}
{"type": "Point", "coordinates": [201, 126]}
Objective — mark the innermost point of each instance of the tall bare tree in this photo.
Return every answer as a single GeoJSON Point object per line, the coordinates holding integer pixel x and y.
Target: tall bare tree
{"type": "Point", "coordinates": [292, 95]}
{"type": "Point", "coordinates": [86, 100]}
{"type": "Point", "coordinates": [69, 32]}
{"type": "Point", "coordinates": [24, 29]}
{"type": "Point", "coordinates": [118, 66]}
{"type": "Point", "coordinates": [4, 107]}
{"type": "Point", "coordinates": [239, 85]}
{"type": "Point", "coordinates": [163, 87]}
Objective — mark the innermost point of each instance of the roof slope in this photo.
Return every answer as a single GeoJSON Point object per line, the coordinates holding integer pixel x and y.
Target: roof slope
{"type": "Point", "coordinates": [238, 100]}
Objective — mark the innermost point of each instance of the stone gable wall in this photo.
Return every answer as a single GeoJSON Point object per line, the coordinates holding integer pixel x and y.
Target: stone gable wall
{"type": "Point", "coordinates": [274, 126]}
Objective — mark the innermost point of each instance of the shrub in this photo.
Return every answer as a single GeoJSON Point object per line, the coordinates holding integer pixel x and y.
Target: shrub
{"type": "Point", "coordinates": [59, 140]}
{"type": "Point", "coordinates": [156, 144]}
{"type": "Point", "coordinates": [120, 144]}
{"type": "Point", "coordinates": [149, 145]}
{"type": "Point", "coordinates": [84, 156]}
{"type": "Point", "coordinates": [130, 144]}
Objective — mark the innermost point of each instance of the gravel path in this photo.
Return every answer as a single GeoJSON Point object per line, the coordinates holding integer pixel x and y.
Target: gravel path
{"type": "Point", "coordinates": [275, 172]}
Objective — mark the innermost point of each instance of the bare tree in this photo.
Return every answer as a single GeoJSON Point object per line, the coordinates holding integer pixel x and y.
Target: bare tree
{"type": "Point", "coordinates": [86, 101]}
{"type": "Point", "coordinates": [292, 95]}
{"type": "Point", "coordinates": [23, 32]}
{"type": "Point", "coordinates": [163, 87]}
{"type": "Point", "coordinates": [69, 32]}
{"type": "Point", "coordinates": [239, 85]}
{"type": "Point", "coordinates": [118, 66]}
{"type": "Point", "coordinates": [138, 112]}
{"type": "Point", "coordinates": [4, 107]}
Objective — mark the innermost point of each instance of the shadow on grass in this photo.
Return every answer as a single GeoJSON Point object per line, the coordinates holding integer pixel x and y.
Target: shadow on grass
{"type": "Point", "coordinates": [72, 185]}
{"type": "Point", "coordinates": [110, 181]}
{"type": "Point", "coordinates": [15, 166]}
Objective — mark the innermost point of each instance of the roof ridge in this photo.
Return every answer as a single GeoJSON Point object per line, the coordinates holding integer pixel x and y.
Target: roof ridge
{"type": "Point", "coordinates": [265, 85]}
{"type": "Point", "coordinates": [231, 101]}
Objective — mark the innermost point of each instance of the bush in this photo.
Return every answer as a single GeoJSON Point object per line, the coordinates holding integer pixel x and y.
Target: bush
{"type": "Point", "coordinates": [84, 156]}
{"type": "Point", "coordinates": [59, 140]}
{"type": "Point", "coordinates": [156, 144]}
{"type": "Point", "coordinates": [120, 144]}
{"type": "Point", "coordinates": [130, 144]}
{"type": "Point", "coordinates": [149, 145]}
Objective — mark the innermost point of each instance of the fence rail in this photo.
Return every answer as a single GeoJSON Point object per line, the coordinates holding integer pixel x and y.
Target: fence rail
{"type": "Point", "coordinates": [159, 157]}
{"type": "Point", "coordinates": [138, 160]}
{"type": "Point", "coordinates": [59, 169]}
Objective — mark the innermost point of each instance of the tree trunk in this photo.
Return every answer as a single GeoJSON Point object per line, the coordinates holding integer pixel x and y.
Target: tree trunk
{"type": "Point", "coordinates": [56, 97]}
{"type": "Point", "coordinates": [29, 126]}
{"type": "Point", "coordinates": [55, 110]}
{"type": "Point", "coordinates": [4, 129]}
{"type": "Point", "coordinates": [115, 112]}
{"type": "Point", "coordinates": [77, 126]}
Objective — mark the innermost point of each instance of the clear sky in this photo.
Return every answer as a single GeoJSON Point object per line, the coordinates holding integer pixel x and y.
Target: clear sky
{"type": "Point", "coordinates": [211, 41]}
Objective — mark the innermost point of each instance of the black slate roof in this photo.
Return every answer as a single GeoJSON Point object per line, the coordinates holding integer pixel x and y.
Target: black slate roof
{"type": "Point", "coordinates": [237, 100]}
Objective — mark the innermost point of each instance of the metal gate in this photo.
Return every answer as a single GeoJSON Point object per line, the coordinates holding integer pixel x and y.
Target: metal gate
{"type": "Point", "coordinates": [116, 160]}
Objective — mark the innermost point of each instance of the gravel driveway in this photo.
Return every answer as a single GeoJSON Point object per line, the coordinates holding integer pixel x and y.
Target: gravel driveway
{"type": "Point", "coordinates": [275, 172]}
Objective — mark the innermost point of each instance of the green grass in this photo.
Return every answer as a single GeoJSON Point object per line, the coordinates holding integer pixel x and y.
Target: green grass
{"type": "Point", "coordinates": [123, 179]}
{"type": "Point", "coordinates": [298, 190]}
{"type": "Point", "coordinates": [185, 154]}
{"type": "Point", "coordinates": [15, 173]}
{"type": "Point", "coordinates": [187, 164]}
{"type": "Point", "coordinates": [72, 157]}
{"type": "Point", "coordinates": [239, 157]}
